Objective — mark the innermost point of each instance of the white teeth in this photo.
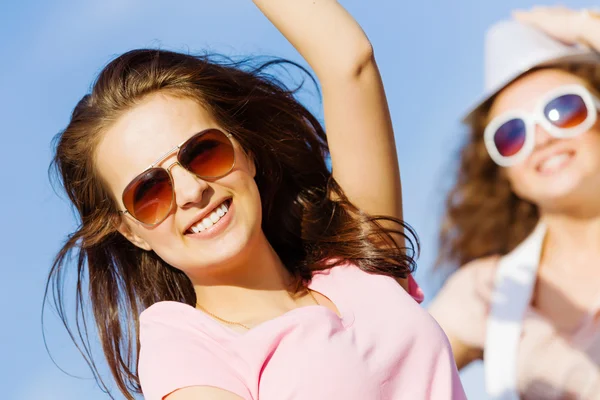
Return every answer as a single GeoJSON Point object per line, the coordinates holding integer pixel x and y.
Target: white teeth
{"type": "Point", "coordinates": [211, 219]}
{"type": "Point", "coordinates": [554, 162]}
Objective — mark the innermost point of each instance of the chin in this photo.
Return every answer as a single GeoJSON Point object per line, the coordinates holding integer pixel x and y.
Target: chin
{"type": "Point", "coordinates": [229, 250]}
{"type": "Point", "coordinates": [556, 195]}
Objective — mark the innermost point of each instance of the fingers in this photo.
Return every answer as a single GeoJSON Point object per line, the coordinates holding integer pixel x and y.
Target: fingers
{"type": "Point", "coordinates": [560, 22]}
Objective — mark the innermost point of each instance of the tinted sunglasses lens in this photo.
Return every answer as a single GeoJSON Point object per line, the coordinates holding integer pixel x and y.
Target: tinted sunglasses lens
{"type": "Point", "coordinates": [148, 197]}
{"type": "Point", "coordinates": [510, 137]}
{"type": "Point", "coordinates": [566, 111]}
{"type": "Point", "coordinates": [208, 155]}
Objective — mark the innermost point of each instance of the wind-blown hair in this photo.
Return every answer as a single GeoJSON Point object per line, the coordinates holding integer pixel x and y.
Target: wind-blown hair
{"type": "Point", "coordinates": [306, 216]}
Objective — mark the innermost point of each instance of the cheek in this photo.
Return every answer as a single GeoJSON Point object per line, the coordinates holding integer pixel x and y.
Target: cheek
{"type": "Point", "coordinates": [516, 174]}
{"type": "Point", "coordinates": [159, 236]}
{"type": "Point", "coordinates": [587, 148]}
{"type": "Point", "coordinates": [246, 193]}
{"type": "Point", "coordinates": [520, 180]}
{"type": "Point", "coordinates": [590, 143]}
{"type": "Point", "coordinates": [245, 162]}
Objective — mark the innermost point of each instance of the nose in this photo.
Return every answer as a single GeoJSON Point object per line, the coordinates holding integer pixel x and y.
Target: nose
{"type": "Point", "coordinates": [188, 188]}
{"type": "Point", "coordinates": [542, 137]}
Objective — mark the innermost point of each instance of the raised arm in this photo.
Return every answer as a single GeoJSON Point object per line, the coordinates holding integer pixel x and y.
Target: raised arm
{"type": "Point", "coordinates": [357, 120]}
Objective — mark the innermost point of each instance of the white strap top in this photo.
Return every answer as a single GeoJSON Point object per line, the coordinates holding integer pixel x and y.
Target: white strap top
{"type": "Point", "coordinates": [514, 284]}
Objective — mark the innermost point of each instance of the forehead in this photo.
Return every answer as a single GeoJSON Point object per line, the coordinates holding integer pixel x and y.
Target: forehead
{"type": "Point", "coordinates": [524, 93]}
{"type": "Point", "coordinates": [146, 132]}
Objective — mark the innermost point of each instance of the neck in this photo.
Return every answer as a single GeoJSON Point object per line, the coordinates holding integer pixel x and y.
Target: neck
{"type": "Point", "coordinates": [254, 287]}
{"type": "Point", "coordinates": [573, 236]}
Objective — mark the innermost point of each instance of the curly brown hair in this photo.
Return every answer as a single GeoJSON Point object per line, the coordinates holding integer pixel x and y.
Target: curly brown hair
{"type": "Point", "coordinates": [306, 216]}
{"type": "Point", "coordinates": [484, 217]}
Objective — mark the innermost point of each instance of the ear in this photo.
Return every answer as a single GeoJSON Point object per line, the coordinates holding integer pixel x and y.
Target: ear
{"type": "Point", "coordinates": [125, 230]}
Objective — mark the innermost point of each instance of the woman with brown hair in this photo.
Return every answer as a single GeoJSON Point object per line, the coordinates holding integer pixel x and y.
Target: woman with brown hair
{"type": "Point", "coordinates": [223, 260]}
{"type": "Point", "coordinates": [524, 217]}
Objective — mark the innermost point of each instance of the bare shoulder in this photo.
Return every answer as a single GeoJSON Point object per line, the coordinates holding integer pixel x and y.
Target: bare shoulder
{"type": "Point", "coordinates": [461, 308]}
{"type": "Point", "coordinates": [469, 287]}
{"type": "Point", "coordinates": [480, 271]}
{"type": "Point", "coordinates": [483, 263]}
{"type": "Point", "coordinates": [202, 392]}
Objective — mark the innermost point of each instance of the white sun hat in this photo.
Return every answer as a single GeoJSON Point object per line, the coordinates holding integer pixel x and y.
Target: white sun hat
{"type": "Point", "coordinates": [513, 48]}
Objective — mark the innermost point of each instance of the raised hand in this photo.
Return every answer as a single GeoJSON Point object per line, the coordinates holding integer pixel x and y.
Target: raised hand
{"type": "Point", "coordinates": [565, 24]}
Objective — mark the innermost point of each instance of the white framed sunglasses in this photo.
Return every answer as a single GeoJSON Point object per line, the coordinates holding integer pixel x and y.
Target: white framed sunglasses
{"type": "Point", "coordinates": [564, 112]}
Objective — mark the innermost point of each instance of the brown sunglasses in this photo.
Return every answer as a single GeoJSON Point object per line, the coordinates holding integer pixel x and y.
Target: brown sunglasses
{"type": "Point", "coordinates": [150, 196]}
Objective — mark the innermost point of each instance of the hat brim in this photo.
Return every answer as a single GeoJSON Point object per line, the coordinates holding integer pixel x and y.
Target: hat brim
{"type": "Point", "coordinates": [579, 56]}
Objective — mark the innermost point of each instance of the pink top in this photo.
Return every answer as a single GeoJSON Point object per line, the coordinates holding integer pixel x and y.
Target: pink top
{"type": "Point", "coordinates": [550, 364]}
{"type": "Point", "coordinates": [384, 346]}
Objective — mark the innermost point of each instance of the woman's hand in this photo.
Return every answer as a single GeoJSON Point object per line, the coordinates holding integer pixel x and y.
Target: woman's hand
{"type": "Point", "coordinates": [565, 24]}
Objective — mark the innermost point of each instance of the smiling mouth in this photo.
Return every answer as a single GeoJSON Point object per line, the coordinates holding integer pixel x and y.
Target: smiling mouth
{"type": "Point", "coordinates": [207, 222]}
{"type": "Point", "coordinates": [555, 162]}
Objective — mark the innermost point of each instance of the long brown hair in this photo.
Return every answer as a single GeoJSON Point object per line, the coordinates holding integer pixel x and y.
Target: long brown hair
{"type": "Point", "coordinates": [484, 216]}
{"type": "Point", "coordinates": [306, 216]}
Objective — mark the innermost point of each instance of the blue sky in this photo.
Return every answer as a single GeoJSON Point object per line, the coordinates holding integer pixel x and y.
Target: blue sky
{"type": "Point", "coordinates": [429, 53]}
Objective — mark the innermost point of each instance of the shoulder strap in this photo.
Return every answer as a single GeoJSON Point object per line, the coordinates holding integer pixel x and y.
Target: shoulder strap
{"type": "Point", "coordinates": [514, 283]}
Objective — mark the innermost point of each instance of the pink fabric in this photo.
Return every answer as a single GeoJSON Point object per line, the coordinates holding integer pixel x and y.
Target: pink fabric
{"type": "Point", "coordinates": [384, 346]}
{"type": "Point", "coordinates": [551, 365]}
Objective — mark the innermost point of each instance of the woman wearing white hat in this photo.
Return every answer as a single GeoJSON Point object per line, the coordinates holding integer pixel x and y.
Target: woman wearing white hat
{"type": "Point", "coordinates": [524, 215]}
